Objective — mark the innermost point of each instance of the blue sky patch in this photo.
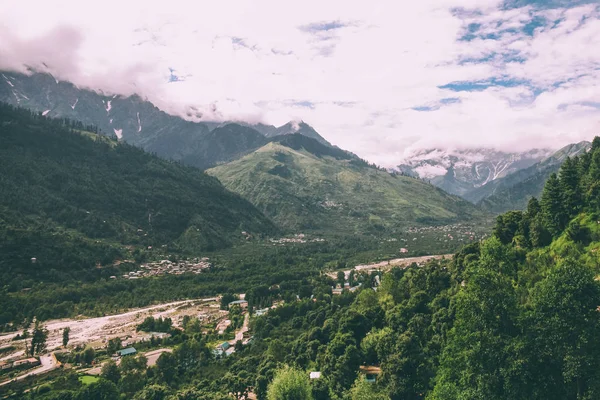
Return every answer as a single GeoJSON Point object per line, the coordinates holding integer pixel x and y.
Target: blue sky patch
{"type": "Point", "coordinates": [323, 26]}
{"type": "Point", "coordinates": [476, 86]}
{"type": "Point", "coordinates": [546, 4]}
{"type": "Point", "coordinates": [437, 105]}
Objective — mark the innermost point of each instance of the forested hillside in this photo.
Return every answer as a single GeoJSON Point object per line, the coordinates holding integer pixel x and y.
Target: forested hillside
{"type": "Point", "coordinates": [304, 185]}
{"type": "Point", "coordinates": [71, 200]}
{"type": "Point", "coordinates": [512, 317]}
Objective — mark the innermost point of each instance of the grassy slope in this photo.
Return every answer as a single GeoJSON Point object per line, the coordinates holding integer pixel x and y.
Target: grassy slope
{"type": "Point", "coordinates": [301, 191]}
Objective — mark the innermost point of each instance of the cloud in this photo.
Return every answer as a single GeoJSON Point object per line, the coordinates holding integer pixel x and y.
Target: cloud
{"type": "Point", "coordinates": [378, 79]}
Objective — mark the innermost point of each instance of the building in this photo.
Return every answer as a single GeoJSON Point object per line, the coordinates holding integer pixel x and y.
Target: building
{"type": "Point", "coordinates": [262, 311]}
{"type": "Point", "coordinates": [241, 303]}
{"type": "Point", "coordinates": [26, 361]}
{"type": "Point", "coordinates": [315, 375]}
{"type": "Point", "coordinates": [129, 351]}
{"type": "Point", "coordinates": [370, 372]}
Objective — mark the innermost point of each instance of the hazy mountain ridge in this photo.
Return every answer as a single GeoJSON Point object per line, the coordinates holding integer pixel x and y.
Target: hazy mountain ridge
{"type": "Point", "coordinates": [460, 171]}
{"type": "Point", "coordinates": [139, 122]}
{"type": "Point", "coordinates": [514, 191]}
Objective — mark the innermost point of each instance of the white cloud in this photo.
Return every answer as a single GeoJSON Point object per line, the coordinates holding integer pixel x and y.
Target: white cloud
{"type": "Point", "coordinates": [364, 67]}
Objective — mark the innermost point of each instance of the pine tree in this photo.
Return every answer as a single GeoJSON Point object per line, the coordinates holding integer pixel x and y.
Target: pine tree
{"type": "Point", "coordinates": [38, 339]}
{"type": "Point", "coordinates": [569, 187]}
{"type": "Point", "coordinates": [553, 213]}
{"type": "Point", "coordinates": [65, 338]}
{"type": "Point", "coordinates": [533, 208]}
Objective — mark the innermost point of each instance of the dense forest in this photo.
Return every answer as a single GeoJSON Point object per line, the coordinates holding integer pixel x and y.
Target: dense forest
{"type": "Point", "coordinates": [512, 317]}
{"type": "Point", "coordinates": [71, 200]}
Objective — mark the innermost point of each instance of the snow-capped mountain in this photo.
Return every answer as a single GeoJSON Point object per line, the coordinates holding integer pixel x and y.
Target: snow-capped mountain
{"type": "Point", "coordinates": [460, 171]}
{"type": "Point", "coordinates": [139, 122]}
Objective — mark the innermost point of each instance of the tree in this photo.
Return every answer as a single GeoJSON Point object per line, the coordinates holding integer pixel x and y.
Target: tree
{"type": "Point", "coordinates": [88, 355]}
{"type": "Point", "coordinates": [533, 208]}
{"type": "Point", "coordinates": [290, 384]}
{"type": "Point", "coordinates": [110, 372]}
{"type": "Point", "coordinates": [166, 366]}
{"type": "Point", "coordinates": [237, 384]}
{"type": "Point", "coordinates": [65, 336]}
{"type": "Point", "coordinates": [553, 212]}
{"type": "Point", "coordinates": [363, 390]}
{"type": "Point", "coordinates": [152, 392]}
{"type": "Point", "coordinates": [507, 226]}
{"type": "Point", "coordinates": [113, 345]}
{"type": "Point", "coordinates": [478, 359]}
{"type": "Point", "coordinates": [101, 390]}
{"type": "Point", "coordinates": [341, 278]}
{"type": "Point", "coordinates": [570, 189]}
{"type": "Point", "coordinates": [563, 329]}
{"type": "Point", "coordinates": [38, 339]}
{"type": "Point", "coordinates": [226, 299]}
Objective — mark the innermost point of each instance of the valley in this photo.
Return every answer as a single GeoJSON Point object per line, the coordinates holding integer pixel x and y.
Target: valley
{"type": "Point", "coordinates": [148, 256]}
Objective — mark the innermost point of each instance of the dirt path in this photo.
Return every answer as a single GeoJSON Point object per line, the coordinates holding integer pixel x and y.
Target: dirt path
{"type": "Point", "coordinates": [239, 335]}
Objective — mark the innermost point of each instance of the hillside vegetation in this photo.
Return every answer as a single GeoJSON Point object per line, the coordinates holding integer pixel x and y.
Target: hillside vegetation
{"type": "Point", "coordinates": [304, 185]}
{"type": "Point", "coordinates": [73, 199]}
{"type": "Point", "coordinates": [512, 317]}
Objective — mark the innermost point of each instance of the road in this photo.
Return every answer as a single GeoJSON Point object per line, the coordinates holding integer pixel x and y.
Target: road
{"type": "Point", "coordinates": [383, 265]}
{"type": "Point", "coordinates": [239, 335]}
{"type": "Point", "coordinates": [153, 356]}
{"type": "Point", "coordinates": [49, 363]}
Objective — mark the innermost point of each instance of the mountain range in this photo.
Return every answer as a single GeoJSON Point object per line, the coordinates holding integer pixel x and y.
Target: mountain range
{"type": "Point", "coordinates": [496, 180]}
{"type": "Point", "coordinates": [513, 191]}
{"type": "Point", "coordinates": [461, 172]}
{"type": "Point", "coordinates": [140, 123]}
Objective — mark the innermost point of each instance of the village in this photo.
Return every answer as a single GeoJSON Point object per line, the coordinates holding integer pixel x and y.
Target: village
{"type": "Point", "coordinates": [164, 267]}
{"type": "Point", "coordinates": [99, 334]}
{"type": "Point", "coordinates": [225, 325]}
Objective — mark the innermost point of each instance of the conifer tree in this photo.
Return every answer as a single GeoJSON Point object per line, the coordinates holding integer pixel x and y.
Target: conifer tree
{"type": "Point", "coordinates": [533, 208]}
{"type": "Point", "coordinates": [553, 214]}
{"type": "Point", "coordinates": [569, 187]}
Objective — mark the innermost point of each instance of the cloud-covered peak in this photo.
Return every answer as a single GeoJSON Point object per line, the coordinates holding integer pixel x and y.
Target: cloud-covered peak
{"type": "Point", "coordinates": [374, 78]}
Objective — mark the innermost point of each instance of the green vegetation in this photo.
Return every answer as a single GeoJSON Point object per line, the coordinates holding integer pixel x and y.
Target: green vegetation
{"type": "Point", "coordinates": [69, 204]}
{"type": "Point", "coordinates": [290, 384]}
{"type": "Point", "coordinates": [304, 185]}
{"type": "Point", "coordinates": [88, 379]}
{"type": "Point", "coordinates": [151, 324]}
{"type": "Point", "coordinates": [512, 317]}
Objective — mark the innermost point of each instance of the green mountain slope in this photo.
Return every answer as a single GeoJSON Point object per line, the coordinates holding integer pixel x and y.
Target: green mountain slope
{"type": "Point", "coordinates": [305, 185]}
{"type": "Point", "coordinates": [514, 191]}
{"type": "Point", "coordinates": [72, 202]}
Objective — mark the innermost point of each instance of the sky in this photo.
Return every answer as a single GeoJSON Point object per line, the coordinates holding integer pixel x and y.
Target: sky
{"type": "Point", "coordinates": [379, 78]}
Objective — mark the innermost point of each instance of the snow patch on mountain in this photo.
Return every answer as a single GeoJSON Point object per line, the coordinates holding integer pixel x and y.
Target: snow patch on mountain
{"type": "Point", "coordinates": [45, 113]}
{"type": "Point", "coordinates": [108, 106]}
{"type": "Point", "coordinates": [139, 123]}
{"type": "Point", "coordinates": [8, 81]}
{"type": "Point", "coordinates": [119, 133]}
{"type": "Point", "coordinates": [459, 171]}
{"type": "Point", "coordinates": [295, 126]}
{"type": "Point", "coordinates": [74, 104]}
